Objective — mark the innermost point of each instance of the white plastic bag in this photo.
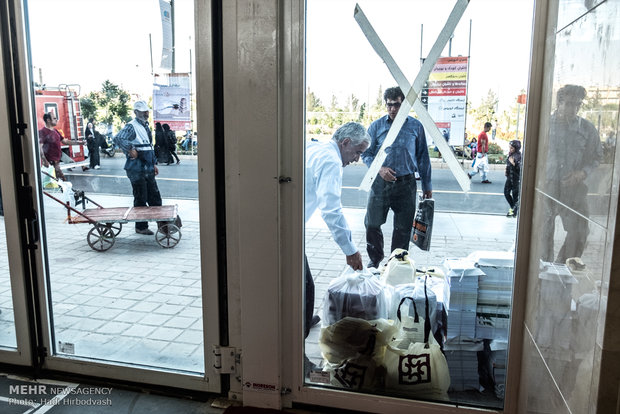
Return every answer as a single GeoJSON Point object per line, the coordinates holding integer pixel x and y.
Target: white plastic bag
{"type": "Point", "coordinates": [358, 294]}
{"type": "Point", "coordinates": [415, 290]}
{"type": "Point", "coordinates": [46, 181]}
{"type": "Point", "coordinates": [400, 268]}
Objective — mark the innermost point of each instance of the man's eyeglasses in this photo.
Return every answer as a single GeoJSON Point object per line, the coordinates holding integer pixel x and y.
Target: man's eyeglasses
{"type": "Point", "coordinates": [393, 104]}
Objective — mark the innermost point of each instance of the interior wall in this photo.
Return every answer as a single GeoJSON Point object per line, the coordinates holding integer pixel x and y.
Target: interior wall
{"type": "Point", "coordinates": [571, 331]}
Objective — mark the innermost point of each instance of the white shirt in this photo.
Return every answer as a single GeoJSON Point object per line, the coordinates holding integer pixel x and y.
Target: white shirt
{"type": "Point", "coordinates": [323, 188]}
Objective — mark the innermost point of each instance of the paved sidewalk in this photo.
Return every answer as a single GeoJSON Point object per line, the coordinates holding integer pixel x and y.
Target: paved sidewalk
{"type": "Point", "coordinates": [139, 303]}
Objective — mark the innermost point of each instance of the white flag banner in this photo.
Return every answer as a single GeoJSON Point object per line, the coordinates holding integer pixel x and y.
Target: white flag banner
{"type": "Point", "coordinates": [166, 29]}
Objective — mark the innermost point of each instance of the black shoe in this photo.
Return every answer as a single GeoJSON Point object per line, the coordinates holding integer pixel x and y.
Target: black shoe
{"type": "Point", "coordinates": [485, 182]}
{"type": "Point", "coordinates": [469, 175]}
{"type": "Point", "coordinates": [84, 168]}
{"type": "Point", "coordinates": [315, 320]}
{"type": "Point", "coordinates": [373, 264]}
{"type": "Point", "coordinates": [145, 232]}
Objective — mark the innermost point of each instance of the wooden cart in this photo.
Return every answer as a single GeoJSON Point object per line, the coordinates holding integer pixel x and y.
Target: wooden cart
{"type": "Point", "coordinates": [108, 222]}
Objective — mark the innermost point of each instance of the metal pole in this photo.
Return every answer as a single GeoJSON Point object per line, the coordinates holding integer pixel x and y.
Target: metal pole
{"type": "Point", "coordinates": [421, 38]}
{"type": "Point", "coordinates": [151, 51]}
{"type": "Point", "coordinates": [518, 112]}
{"type": "Point", "coordinates": [467, 88]}
{"type": "Point", "coordinates": [172, 21]}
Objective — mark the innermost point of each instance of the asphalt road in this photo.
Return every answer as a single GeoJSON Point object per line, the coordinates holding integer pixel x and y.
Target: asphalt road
{"type": "Point", "coordinates": [180, 181]}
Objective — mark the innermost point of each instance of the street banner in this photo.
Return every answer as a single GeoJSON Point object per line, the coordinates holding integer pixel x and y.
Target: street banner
{"type": "Point", "coordinates": [166, 29]}
{"type": "Point", "coordinates": [444, 96]}
{"type": "Point", "coordinates": [171, 106]}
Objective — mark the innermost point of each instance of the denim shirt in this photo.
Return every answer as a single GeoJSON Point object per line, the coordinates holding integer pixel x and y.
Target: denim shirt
{"type": "Point", "coordinates": [127, 139]}
{"type": "Point", "coordinates": [407, 154]}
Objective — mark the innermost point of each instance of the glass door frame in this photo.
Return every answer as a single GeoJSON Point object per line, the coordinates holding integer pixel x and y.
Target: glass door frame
{"type": "Point", "coordinates": [210, 381]}
{"type": "Point", "coordinates": [292, 250]}
{"type": "Point", "coordinates": [11, 143]}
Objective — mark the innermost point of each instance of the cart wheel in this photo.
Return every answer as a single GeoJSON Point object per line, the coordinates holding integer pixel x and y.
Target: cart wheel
{"type": "Point", "coordinates": [100, 237]}
{"type": "Point", "coordinates": [168, 235]}
{"type": "Point", "coordinates": [115, 227]}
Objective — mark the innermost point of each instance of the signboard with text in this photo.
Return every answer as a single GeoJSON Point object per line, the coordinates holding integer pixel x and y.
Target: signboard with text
{"type": "Point", "coordinates": [444, 96]}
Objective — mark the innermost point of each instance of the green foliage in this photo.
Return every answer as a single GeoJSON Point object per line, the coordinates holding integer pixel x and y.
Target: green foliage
{"type": "Point", "coordinates": [485, 112]}
{"type": "Point", "coordinates": [313, 103]}
{"type": "Point", "coordinates": [494, 148]}
{"type": "Point", "coordinates": [110, 105]}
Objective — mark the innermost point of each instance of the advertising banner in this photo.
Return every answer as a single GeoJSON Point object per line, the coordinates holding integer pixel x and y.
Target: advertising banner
{"type": "Point", "coordinates": [444, 96]}
{"type": "Point", "coordinates": [171, 105]}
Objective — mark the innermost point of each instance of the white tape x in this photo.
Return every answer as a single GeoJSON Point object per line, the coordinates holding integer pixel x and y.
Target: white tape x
{"type": "Point", "coordinates": [411, 95]}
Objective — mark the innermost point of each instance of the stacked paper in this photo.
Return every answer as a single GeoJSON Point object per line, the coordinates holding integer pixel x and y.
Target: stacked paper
{"type": "Point", "coordinates": [499, 359]}
{"type": "Point", "coordinates": [495, 286]}
{"type": "Point", "coordinates": [462, 357]}
{"type": "Point", "coordinates": [492, 322]}
{"type": "Point", "coordinates": [461, 297]}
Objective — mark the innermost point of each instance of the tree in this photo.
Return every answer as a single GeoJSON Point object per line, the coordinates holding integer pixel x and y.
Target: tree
{"type": "Point", "coordinates": [485, 112]}
{"type": "Point", "coordinates": [313, 103]}
{"type": "Point", "coordinates": [333, 105]}
{"type": "Point", "coordinates": [110, 105]}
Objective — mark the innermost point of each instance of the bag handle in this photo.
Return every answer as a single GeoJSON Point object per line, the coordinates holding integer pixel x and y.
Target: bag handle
{"type": "Point", "coordinates": [416, 318]}
{"type": "Point", "coordinates": [427, 320]}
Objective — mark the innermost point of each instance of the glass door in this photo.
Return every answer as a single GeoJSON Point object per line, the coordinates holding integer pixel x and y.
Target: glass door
{"type": "Point", "coordinates": [123, 238]}
{"type": "Point", "coordinates": [373, 283]}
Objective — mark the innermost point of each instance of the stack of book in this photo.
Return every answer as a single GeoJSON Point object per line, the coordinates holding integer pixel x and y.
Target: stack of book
{"type": "Point", "coordinates": [462, 357]}
{"type": "Point", "coordinates": [461, 297]}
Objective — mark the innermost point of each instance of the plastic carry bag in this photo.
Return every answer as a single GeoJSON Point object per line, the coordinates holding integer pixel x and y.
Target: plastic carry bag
{"type": "Point", "coordinates": [350, 337]}
{"type": "Point", "coordinates": [481, 162]}
{"type": "Point", "coordinates": [420, 368]}
{"type": "Point", "coordinates": [415, 291]}
{"type": "Point", "coordinates": [400, 268]}
{"type": "Point", "coordinates": [423, 223]}
{"type": "Point", "coordinates": [358, 294]}
{"type": "Point", "coordinates": [48, 177]}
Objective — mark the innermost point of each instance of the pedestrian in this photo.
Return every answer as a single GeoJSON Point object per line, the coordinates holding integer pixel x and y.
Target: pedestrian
{"type": "Point", "coordinates": [50, 145]}
{"type": "Point", "coordinates": [513, 177]}
{"type": "Point", "coordinates": [324, 167]}
{"type": "Point", "coordinates": [92, 143]}
{"type": "Point", "coordinates": [481, 163]}
{"type": "Point", "coordinates": [395, 187]}
{"type": "Point", "coordinates": [161, 145]}
{"type": "Point", "coordinates": [172, 144]}
{"type": "Point", "coordinates": [575, 152]}
{"type": "Point", "coordinates": [135, 141]}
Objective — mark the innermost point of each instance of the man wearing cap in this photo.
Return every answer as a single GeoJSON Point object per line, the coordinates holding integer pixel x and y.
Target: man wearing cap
{"type": "Point", "coordinates": [135, 140]}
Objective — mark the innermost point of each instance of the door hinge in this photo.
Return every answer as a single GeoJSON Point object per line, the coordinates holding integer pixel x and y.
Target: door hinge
{"type": "Point", "coordinates": [283, 179]}
{"type": "Point", "coordinates": [41, 353]}
{"type": "Point", "coordinates": [225, 359]}
{"type": "Point", "coordinates": [21, 128]}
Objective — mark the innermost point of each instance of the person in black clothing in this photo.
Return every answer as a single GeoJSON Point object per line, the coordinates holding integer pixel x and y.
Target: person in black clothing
{"type": "Point", "coordinates": [161, 145]}
{"type": "Point", "coordinates": [172, 144]}
{"type": "Point", "coordinates": [513, 177]}
{"type": "Point", "coordinates": [92, 143]}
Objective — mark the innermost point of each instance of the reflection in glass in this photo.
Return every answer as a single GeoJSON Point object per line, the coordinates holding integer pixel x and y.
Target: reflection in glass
{"type": "Point", "coordinates": [575, 151]}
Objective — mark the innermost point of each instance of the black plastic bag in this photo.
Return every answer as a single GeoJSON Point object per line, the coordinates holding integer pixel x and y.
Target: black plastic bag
{"type": "Point", "coordinates": [423, 223]}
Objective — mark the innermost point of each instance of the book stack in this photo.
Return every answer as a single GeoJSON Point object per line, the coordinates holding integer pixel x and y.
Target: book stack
{"type": "Point", "coordinates": [494, 293]}
{"type": "Point", "coordinates": [461, 297]}
{"type": "Point", "coordinates": [462, 357]}
{"type": "Point", "coordinates": [499, 360]}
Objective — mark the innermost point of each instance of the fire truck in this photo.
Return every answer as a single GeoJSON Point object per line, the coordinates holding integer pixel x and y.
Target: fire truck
{"type": "Point", "coordinates": [63, 101]}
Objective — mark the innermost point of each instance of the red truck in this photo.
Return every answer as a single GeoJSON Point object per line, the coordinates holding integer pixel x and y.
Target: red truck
{"type": "Point", "coordinates": [63, 101]}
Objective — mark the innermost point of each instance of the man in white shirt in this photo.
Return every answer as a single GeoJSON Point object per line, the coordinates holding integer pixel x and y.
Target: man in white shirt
{"type": "Point", "coordinates": [324, 166]}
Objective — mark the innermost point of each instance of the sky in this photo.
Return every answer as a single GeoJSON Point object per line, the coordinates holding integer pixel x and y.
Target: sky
{"type": "Point", "coordinates": [86, 42]}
